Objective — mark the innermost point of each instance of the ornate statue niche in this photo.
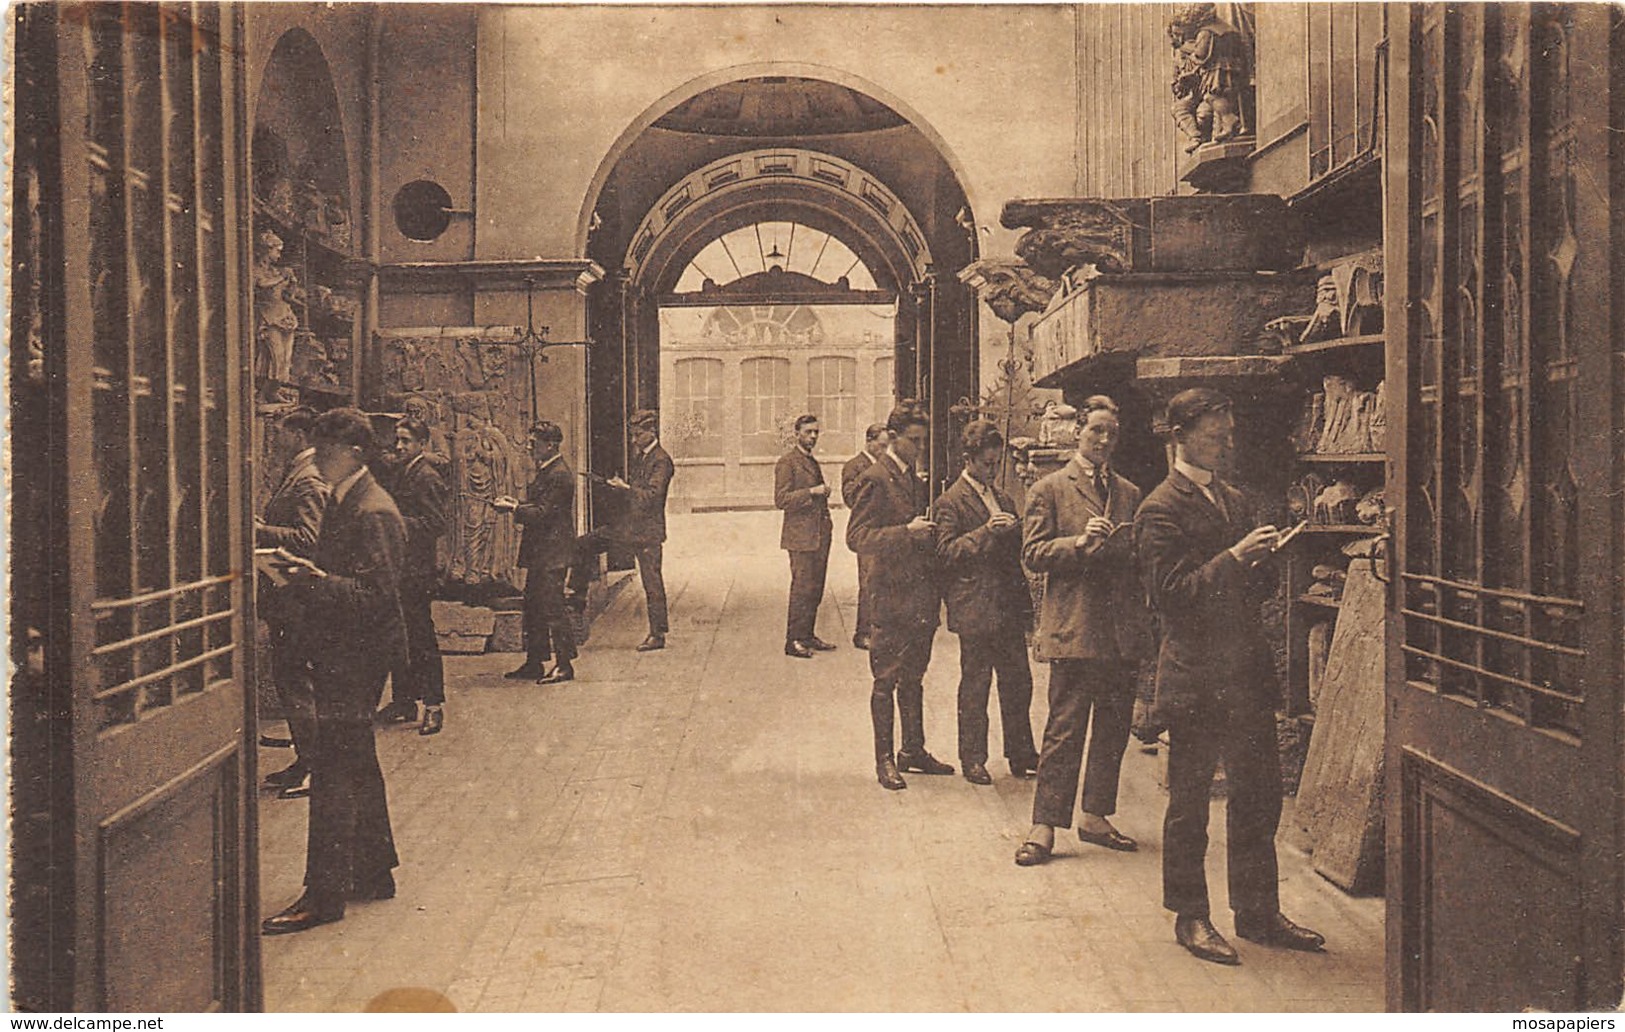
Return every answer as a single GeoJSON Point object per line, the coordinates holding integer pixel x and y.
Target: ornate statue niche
{"type": "Point", "coordinates": [1212, 76]}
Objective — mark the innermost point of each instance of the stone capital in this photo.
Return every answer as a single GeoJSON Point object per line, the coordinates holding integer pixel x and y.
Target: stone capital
{"type": "Point", "coordinates": [1011, 288]}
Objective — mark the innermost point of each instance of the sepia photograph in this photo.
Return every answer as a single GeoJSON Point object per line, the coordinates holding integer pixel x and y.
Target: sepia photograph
{"type": "Point", "coordinates": [875, 508]}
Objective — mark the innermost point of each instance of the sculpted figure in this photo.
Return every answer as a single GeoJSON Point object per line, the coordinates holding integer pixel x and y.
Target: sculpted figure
{"type": "Point", "coordinates": [1212, 67]}
{"type": "Point", "coordinates": [276, 289]}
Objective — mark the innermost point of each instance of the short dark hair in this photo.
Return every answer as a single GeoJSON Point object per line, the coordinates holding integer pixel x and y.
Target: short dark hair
{"type": "Point", "coordinates": [978, 435]}
{"type": "Point", "coordinates": [547, 430]}
{"type": "Point", "coordinates": [874, 431]}
{"type": "Point", "coordinates": [1097, 403]}
{"type": "Point", "coordinates": [347, 426]}
{"type": "Point", "coordinates": [644, 419]}
{"type": "Point", "coordinates": [298, 419]}
{"type": "Point", "coordinates": [417, 428]}
{"type": "Point", "coordinates": [907, 413]}
{"type": "Point", "coordinates": [1186, 407]}
{"type": "Point", "coordinates": [802, 421]}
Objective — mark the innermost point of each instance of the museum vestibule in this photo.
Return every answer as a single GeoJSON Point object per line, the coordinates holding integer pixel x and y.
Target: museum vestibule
{"type": "Point", "coordinates": [1391, 232]}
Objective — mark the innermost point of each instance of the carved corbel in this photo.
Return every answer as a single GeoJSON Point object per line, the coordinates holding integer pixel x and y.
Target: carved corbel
{"type": "Point", "coordinates": [1011, 288]}
{"type": "Point", "coordinates": [1066, 234]}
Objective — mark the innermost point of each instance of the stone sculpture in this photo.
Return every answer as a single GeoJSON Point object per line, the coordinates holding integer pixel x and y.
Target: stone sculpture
{"type": "Point", "coordinates": [1335, 505]}
{"type": "Point", "coordinates": [1212, 70]}
{"type": "Point", "coordinates": [1058, 426]}
{"type": "Point", "coordinates": [276, 291]}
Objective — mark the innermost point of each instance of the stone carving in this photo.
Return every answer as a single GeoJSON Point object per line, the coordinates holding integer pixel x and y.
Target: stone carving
{"type": "Point", "coordinates": [1071, 233]}
{"type": "Point", "coordinates": [1011, 289]}
{"type": "Point", "coordinates": [1378, 425]}
{"type": "Point", "coordinates": [1327, 321]}
{"type": "Point", "coordinates": [1336, 504]}
{"type": "Point", "coordinates": [1212, 74]}
{"type": "Point", "coordinates": [457, 383]}
{"type": "Point", "coordinates": [1058, 426]}
{"type": "Point", "coordinates": [1369, 509]}
{"type": "Point", "coordinates": [1358, 287]}
{"type": "Point", "coordinates": [276, 291]}
{"type": "Point", "coordinates": [1341, 419]}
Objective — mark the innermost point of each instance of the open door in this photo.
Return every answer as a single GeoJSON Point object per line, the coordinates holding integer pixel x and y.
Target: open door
{"type": "Point", "coordinates": [133, 549]}
{"type": "Point", "coordinates": [1504, 690]}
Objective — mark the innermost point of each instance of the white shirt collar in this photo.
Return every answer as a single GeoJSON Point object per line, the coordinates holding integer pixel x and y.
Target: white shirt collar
{"type": "Point", "coordinates": [307, 454]}
{"type": "Point", "coordinates": [983, 491]}
{"type": "Point", "coordinates": [1089, 467]}
{"type": "Point", "coordinates": [1202, 478]}
{"type": "Point", "coordinates": [652, 445]}
{"type": "Point", "coordinates": [342, 488]}
{"type": "Point", "coordinates": [805, 451]}
{"type": "Point", "coordinates": [556, 457]}
{"type": "Point", "coordinates": [901, 465]}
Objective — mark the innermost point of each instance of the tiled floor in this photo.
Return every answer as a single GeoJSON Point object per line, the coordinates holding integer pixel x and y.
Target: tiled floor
{"type": "Point", "coordinates": [700, 829]}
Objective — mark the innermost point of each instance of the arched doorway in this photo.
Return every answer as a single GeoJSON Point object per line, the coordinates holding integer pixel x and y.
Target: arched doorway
{"type": "Point", "coordinates": [780, 149]}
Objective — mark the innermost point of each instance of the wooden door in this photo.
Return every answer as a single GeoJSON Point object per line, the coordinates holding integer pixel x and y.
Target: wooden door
{"type": "Point", "coordinates": [143, 460]}
{"type": "Point", "coordinates": [1504, 689]}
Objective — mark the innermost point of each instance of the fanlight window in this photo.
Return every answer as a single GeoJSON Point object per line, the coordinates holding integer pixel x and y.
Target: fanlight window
{"type": "Point", "coordinates": [789, 246]}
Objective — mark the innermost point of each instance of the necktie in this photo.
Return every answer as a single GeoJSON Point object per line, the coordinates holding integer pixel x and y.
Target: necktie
{"type": "Point", "coordinates": [1100, 483]}
{"type": "Point", "coordinates": [1216, 494]}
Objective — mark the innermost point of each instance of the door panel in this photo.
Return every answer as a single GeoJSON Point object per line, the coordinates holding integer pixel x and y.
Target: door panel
{"type": "Point", "coordinates": [152, 430]}
{"type": "Point", "coordinates": [1504, 680]}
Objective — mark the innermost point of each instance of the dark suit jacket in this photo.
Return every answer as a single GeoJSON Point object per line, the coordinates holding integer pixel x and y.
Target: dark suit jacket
{"type": "Point", "coordinates": [1213, 647]}
{"type": "Point", "coordinates": [293, 515]}
{"type": "Point", "coordinates": [1093, 604]}
{"type": "Point", "coordinates": [903, 578]}
{"type": "Point", "coordinates": [851, 472]}
{"type": "Point", "coordinates": [351, 618]}
{"type": "Point", "coordinates": [425, 506]}
{"type": "Point", "coordinates": [807, 526]}
{"type": "Point", "coordinates": [982, 581]}
{"type": "Point", "coordinates": [547, 517]}
{"type": "Point", "coordinates": [648, 481]}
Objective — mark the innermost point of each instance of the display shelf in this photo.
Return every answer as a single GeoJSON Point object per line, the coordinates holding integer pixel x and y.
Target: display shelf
{"type": "Point", "coordinates": [1335, 344]}
{"type": "Point", "coordinates": [1343, 460]}
{"type": "Point", "coordinates": [1342, 528]}
{"type": "Point", "coordinates": [1320, 600]}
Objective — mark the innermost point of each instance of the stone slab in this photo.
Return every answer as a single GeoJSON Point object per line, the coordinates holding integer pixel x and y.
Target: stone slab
{"type": "Point", "coordinates": [507, 632]}
{"type": "Point", "coordinates": [460, 629]}
{"type": "Point", "coordinates": [1340, 796]}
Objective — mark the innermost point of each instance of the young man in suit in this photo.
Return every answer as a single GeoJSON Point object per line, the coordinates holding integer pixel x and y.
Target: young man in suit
{"type": "Point", "coordinates": [1203, 558]}
{"type": "Point", "coordinates": [888, 524]}
{"type": "Point", "coordinates": [425, 505]}
{"type": "Point", "coordinates": [350, 606]}
{"type": "Point", "coordinates": [1093, 630]}
{"type": "Point", "coordinates": [799, 490]}
{"type": "Point", "coordinates": [875, 442]}
{"type": "Point", "coordinates": [547, 518]}
{"type": "Point", "coordinates": [989, 606]}
{"type": "Point", "coordinates": [642, 528]}
{"type": "Point", "coordinates": [292, 521]}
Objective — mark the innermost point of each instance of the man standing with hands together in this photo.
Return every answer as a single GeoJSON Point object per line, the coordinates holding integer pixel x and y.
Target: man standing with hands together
{"type": "Point", "coordinates": [799, 489]}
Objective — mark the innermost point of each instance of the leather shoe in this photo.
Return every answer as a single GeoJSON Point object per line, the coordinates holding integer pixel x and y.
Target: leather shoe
{"type": "Point", "coordinates": [1198, 935]}
{"type": "Point", "coordinates": [886, 773]}
{"type": "Point", "coordinates": [434, 718]}
{"type": "Point", "coordinates": [797, 649]}
{"type": "Point", "coordinates": [401, 711]}
{"type": "Point", "coordinates": [1031, 854]}
{"type": "Point", "coordinates": [293, 774]}
{"type": "Point", "coordinates": [1113, 839]}
{"type": "Point", "coordinates": [376, 888]}
{"type": "Point", "coordinates": [1024, 768]}
{"type": "Point", "coordinates": [653, 643]}
{"type": "Point", "coordinates": [923, 763]}
{"type": "Point", "coordinates": [526, 672]}
{"type": "Point", "coordinates": [976, 773]}
{"type": "Point", "coordinates": [860, 641]}
{"type": "Point", "coordinates": [1276, 930]}
{"type": "Point", "coordinates": [298, 790]}
{"type": "Point", "coordinates": [817, 644]}
{"type": "Point", "coordinates": [559, 674]}
{"type": "Point", "coordinates": [304, 914]}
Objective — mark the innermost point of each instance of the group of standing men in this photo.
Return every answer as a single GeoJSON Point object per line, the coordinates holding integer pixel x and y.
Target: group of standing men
{"type": "Point", "coordinates": [1191, 553]}
{"type": "Point", "coordinates": [354, 612]}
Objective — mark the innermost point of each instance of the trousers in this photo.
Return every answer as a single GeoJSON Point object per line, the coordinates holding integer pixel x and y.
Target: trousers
{"type": "Point", "coordinates": [1244, 738]}
{"type": "Point", "coordinates": [349, 838]}
{"type": "Point", "coordinates": [648, 556]}
{"type": "Point", "coordinates": [425, 675]}
{"type": "Point", "coordinates": [1083, 692]}
{"type": "Point", "coordinates": [898, 657]}
{"type": "Point", "coordinates": [979, 657]}
{"type": "Point", "coordinates": [808, 570]}
{"type": "Point", "coordinates": [290, 672]}
{"type": "Point", "coordinates": [549, 631]}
